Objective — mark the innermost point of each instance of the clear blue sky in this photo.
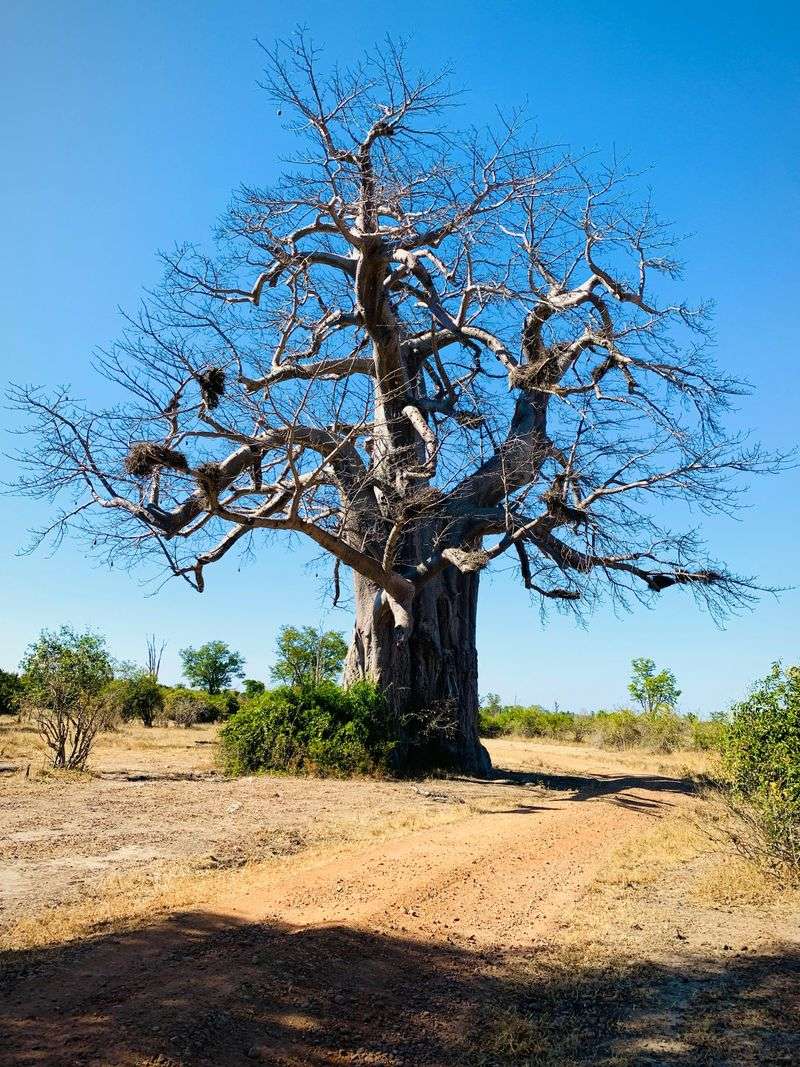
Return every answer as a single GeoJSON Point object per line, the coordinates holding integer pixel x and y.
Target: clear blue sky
{"type": "Point", "coordinates": [125, 126]}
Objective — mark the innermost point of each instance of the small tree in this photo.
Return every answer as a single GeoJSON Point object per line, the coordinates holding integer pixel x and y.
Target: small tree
{"type": "Point", "coordinates": [652, 691]}
{"type": "Point", "coordinates": [137, 696]}
{"type": "Point", "coordinates": [761, 760]}
{"type": "Point", "coordinates": [213, 666]}
{"type": "Point", "coordinates": [307, 656]}
{"type": "Point", "coordinates": [252, 687]}
{"type": "Point", "coordinates": [11, 690]}
{"type": "Point", "coordinates": [65, 673]}
{"type": "Point", "coordinates": [762, 742]}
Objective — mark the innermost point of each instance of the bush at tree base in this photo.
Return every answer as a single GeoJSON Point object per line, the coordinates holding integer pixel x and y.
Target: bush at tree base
{"type": "Point", "coordinates": [319, 729]}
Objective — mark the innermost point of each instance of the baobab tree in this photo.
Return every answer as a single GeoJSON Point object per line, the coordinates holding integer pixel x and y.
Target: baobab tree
{"type": "Point", "coordinates": [424, 351]}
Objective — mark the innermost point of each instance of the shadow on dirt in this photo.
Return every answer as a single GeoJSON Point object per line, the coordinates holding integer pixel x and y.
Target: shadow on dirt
{"type": "Point", "coordinates": [201, 989]}
{"type": "Point", "coordinates": [593, 786]}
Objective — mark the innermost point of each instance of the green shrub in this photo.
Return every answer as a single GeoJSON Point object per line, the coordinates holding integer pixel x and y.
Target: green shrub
{"type": "Point", "coordinates": [136, 697]}
{"type": "Point", "coordinates": [664, 730]}
{"type": "Point", "coordinates": [319, 729]}
{"type": "Point", "coordinates": [65, 674]}
{"type": "Point", "coordinates": [221, 705]}
{"type": "Point", "coordinates": [518, 721]}
{"type": "Point", "coordinates": [581, 727]}
{"type": "Point", "coordinates": [189, 706]}
{"type": "Point", "coordinates": [11, 692]}
{"type": "Point", "coordinates": [761, 760]}
{"type": "Point", "coordinates": [707, 735]}
{"type": "Point", "coordinates": [617, 729]}
{"type": "Point", "coordinates": [488, 725]}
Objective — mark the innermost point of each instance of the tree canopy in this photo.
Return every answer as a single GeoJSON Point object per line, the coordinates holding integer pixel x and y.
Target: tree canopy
{"type": "Point", "coordinates": [650, 688]}
{"type": "Point", "coordinates": [307, 656]}
{"type": "Point", "coordinates": [63, 667]}
{"type": "Point", "coordinates": [212, 666]}
{"type": "Point", "coordinates": [414, 322]}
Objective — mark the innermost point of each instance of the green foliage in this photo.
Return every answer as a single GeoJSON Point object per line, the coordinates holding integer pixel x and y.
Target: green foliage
{"type": "Point", "coordinates": [662, 729]}
{"type": "Point", "coordinates": [761, 759]}
{"type": "Point", "coordinates": [212, 667]}
{"type": "Point", "coordinates": [619, 729]}
{"type": "Point", "coordinates": [139, 696]}
{"type": "Point", "coordinates": [186, 707]}
{"type": "Point", "coordinates": [252, 687]}
{"type": "Point", "coordinates": [308, 656]}
{"type": "Point", "coordinates": [63, 667]}
{"type": "Point", "coordinates": [11, 692]}
{"type": "Point", "coordinates": [319, 729]}
{"type": "Point", "coordinates": [65, 673]}
{"type": "Point", "coordinates": [492, 704]}
{"type": "Point", "coordinates": [650, 690]}
{"type": "Point", "coordinates": [707, 735]}
{"type": "Point", "coordinates": [495, 720]}
{"type": "Point", "coordinates": [186, 710]}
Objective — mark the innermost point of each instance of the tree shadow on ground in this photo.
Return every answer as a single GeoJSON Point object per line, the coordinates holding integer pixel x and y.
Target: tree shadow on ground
{"type": "Point", "coordinates": [201, 989]}
{"type": "Point", "coordinates": [581, 787]}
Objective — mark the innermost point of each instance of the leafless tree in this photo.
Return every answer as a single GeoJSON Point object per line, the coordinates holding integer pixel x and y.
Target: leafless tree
{"type": "Point", "coordinates": [425, 351]}
{"type": "Point", "coordinates": [154, 653]}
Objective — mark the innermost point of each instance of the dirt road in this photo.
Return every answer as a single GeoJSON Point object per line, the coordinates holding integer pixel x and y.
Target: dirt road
{"type": "Point", "coordinates": [415, 948]}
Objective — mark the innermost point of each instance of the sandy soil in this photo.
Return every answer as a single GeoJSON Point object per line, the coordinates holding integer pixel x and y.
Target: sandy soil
{"type": "Point", "coordinates": [554, 915]}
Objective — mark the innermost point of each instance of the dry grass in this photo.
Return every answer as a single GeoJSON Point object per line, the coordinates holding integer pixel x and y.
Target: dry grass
{"type": "Point", "coordinates": [734, 880]}
{"type": "Point", "coordinates": [157, 749]}
{"type": "Point", "coordinates": [644, 971]}
{"type": "Point", "coordinates": [19, 743]}
{"type": "Point", "coordinates": [719, 876]}
{"type": "Point", "coordinates": [247, 849]}
{"type": "Point", "coordinates": [116, 902]}
{"type": "Point", "coordinates": [645, 860]}
{"type": "Point", "coordinates": [652, 964]}
{"type": "Point", "coordinates": [549, 756]}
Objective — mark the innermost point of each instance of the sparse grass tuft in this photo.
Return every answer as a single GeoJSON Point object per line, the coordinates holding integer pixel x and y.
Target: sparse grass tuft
{"type": "Point", "coordinates": [734, 880]}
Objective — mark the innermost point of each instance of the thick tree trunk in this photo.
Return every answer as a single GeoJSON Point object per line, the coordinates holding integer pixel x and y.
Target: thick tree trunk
{"type": "Point", "coordinates": [429, 674]}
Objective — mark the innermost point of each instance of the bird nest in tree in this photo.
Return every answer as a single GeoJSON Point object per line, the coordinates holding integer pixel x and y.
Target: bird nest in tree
{"type": "Point", "coordinates": [534, 376]}
{"type": "Point", "coordinates": [145, 456]}
{"type": "Point", "coordinates": [212, 385]}
{"type": "Point", "coordinates": [524, 377]}
{"type": "Point", "coordinates": [468, 562]}
{"type": "Point", "coordinates": [423, 498]}
{"type": "Point", "coordinates": [209, 480]}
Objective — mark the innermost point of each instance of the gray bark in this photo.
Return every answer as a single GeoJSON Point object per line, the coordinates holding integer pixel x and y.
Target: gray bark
{"type": "Point", "coordinates": [428, 673]}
